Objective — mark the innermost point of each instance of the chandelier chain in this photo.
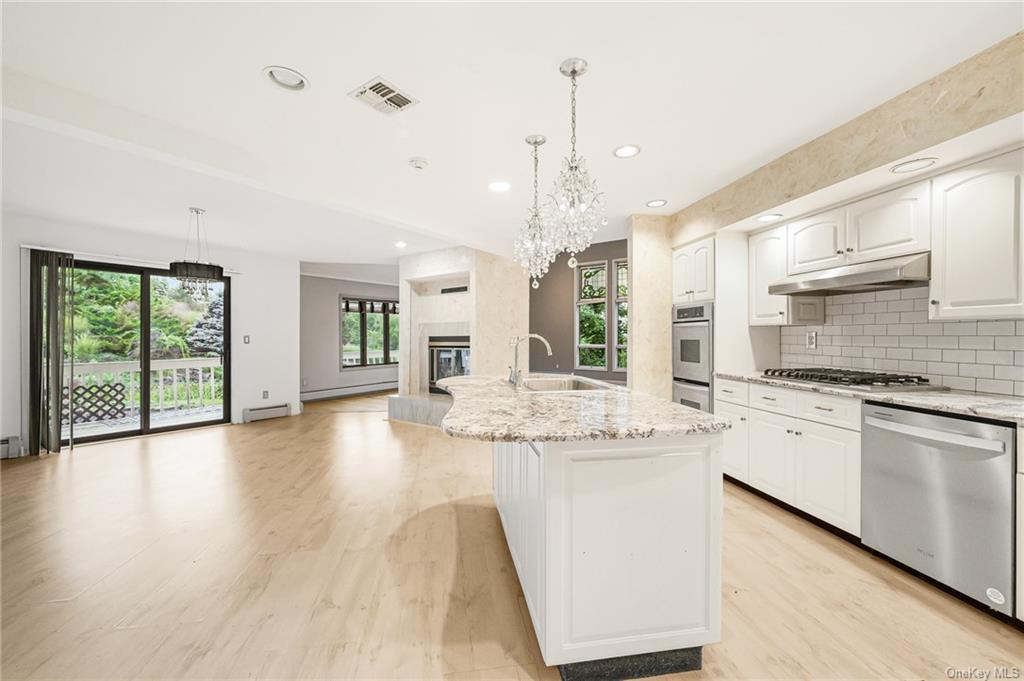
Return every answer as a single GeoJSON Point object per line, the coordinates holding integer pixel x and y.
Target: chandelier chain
{"type": "Point", "coordinates": [536, 163]}
{"type": "Point", "coordinates": [572, 121]}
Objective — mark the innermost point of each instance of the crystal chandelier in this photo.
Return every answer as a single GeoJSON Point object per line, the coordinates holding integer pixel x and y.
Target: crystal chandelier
{"type": "Point", "coordinates": [534, 249]}
{"type": "Point", "coordinates": [578, 207]}
{"type": "Point", "coordinates": [195, 275]}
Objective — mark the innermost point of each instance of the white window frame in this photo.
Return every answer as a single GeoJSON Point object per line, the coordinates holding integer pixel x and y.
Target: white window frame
{"type": "Point", "coordinates": [577, 276]}
{"type": "Point", "coordinates": [616, 299]}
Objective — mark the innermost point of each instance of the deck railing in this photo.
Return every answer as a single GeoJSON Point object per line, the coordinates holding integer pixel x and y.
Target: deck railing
{"type": "Point", "coordinates": [175, 383]}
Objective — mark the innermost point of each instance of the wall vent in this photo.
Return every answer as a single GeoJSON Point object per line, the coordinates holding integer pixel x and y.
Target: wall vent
{"type": "Point", "coordinates": [383, 96]}
{"type": "Point", "coordinates": [455, 289]}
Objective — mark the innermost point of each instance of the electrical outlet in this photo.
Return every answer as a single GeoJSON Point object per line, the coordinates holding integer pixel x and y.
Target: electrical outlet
{"type": "Point", "coordinates": [812, 340]}
{"type": "Point", "coordinates": [245, 339]}
{"type": "Point", "coordinates": [266, 394]}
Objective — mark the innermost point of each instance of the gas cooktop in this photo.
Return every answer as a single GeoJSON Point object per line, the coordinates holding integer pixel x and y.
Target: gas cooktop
{"type": "Point", "coordinates": [850, 378]}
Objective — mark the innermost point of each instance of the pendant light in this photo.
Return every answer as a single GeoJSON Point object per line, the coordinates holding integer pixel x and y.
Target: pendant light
{"type": "Point", "coordinates": [534, 248]}
{"type": "Point", "coordinates": [578, 206]}
{"type": "Point", "coordinates": [195, 275]}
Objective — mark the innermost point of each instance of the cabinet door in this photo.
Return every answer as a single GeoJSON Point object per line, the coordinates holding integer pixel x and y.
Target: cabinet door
{"type": "Point", "coordinates": [828, 474]}
{"type": "Point", "coordinates": [767, 252]}
{"type": "Point", "coordinates": [682, 275]}
{"type": "Point", "coordinates": [772, 445]}
{"type": "Point", "coordinates": [817, 243]}
{"type": "Point", "coordinates": [977, 261]}
{"type": "Point", "coordinates": [890, 224]}
{"type": "Point", "coordinates": [702, 255]}
{"type": "Point", "coordinates": [735, 460]}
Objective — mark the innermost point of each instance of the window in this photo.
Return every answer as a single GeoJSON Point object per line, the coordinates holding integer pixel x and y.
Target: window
{"type": "Point", "coordinates": [369, 333]}
{"type": "Point", "coordinates": [592, 316]}
{"type": "Point", "coordinates": [602, 315]}
{"type": "Point", "coordinates": [621, 314]}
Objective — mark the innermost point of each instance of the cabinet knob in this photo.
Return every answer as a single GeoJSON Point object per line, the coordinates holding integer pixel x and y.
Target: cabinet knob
{"type": "Point", "coordinates": [743, 418]}
{"type": "Point", "coordinates": [839, 252]}
{"type": "Point", "coordinates": [789, 431]}
{"type": "Point", "coordinates": [781, 313]}
{"type": "Point", "coordinates": [798, 433]}
{"type": "Point", "coordinates": [934, 302]}
{"type": "Point", "coordinates": [849, 250]}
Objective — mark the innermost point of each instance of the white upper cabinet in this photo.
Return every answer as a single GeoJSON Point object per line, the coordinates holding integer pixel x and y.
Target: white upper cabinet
{"type": "Point", "coordinates": [767, 265]}
{"type": "Point", "coordinates": [977, 256]}
{"type": "Point", "coordinates": [817, 242]}
{"type": "Point", "coordinates": [693, 272]}
{"type": "Point", "coordinates": [703, 271]}
{"type": "Point", "coordinates": [682, 274]}
{"type": "Point", "coordinates": [890, 224]}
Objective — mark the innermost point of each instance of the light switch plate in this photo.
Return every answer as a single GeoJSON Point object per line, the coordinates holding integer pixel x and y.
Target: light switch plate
{"type": "Point", "coordinates": [812, 340]}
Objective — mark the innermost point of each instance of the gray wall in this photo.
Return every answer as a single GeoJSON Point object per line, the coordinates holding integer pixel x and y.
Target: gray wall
{"type": "Point", "coordinates": [320, 369]}
{"type": "Point", "coordinates": [552, 313]}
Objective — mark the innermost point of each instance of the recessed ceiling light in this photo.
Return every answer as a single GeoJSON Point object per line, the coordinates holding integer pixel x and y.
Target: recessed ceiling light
{"type": "Point", "coordinates": [418, 163]}
{"type": "Point", "coordinates": [289, 79]}
{"type": "Point", "coordinates": [627, 151]}
{"type": "Point", "coordinates": [499, 186]}
{"type": "Point", "coordinates": [914, 165]}
{"type": "Point", "coordinates": [400, 244]}
{"type": "Point", "coordinates": [770, 217]}
{"type": "Point", "coordinates": [656, 203]}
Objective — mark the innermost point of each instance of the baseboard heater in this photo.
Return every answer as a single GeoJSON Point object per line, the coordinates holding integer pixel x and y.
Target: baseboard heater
{"type": "Point", "coordinates": [250, 414]}
{"type": "Point", "coordinates": [10, 447]}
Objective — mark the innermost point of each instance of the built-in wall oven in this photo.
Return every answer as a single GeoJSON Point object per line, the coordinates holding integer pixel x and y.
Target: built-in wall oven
{"type": "Point", "coordinates": [692, 368]}
{"type": "Point", "coordinates": [449, 356]}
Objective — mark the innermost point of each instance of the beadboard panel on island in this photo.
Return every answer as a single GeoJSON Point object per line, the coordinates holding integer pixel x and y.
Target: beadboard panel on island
{"type": "Point", "coordinates": [890, 331]}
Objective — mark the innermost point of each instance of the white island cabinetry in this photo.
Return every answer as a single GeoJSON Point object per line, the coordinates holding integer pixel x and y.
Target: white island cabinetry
{"type": "Point", "coordinates": [594, 566]}
{"type": "Point", "coordinates": [611, 503]}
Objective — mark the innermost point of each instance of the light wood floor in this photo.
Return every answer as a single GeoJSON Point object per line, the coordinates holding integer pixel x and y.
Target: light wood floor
{"type": "Point", "coordinates": [339, 545]}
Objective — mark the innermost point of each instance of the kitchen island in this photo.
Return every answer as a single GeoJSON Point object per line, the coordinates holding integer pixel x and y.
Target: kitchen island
{"type": "Point", "coordinates": [611, 503]}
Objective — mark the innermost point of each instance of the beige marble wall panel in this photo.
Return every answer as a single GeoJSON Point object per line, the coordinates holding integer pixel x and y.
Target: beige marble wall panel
{"type": "Point", "coordinates": [502, 310]}
{"type": "Point", "coordinates": [650, 300]}
{"type": "Point", "coordinates": [984, 89]}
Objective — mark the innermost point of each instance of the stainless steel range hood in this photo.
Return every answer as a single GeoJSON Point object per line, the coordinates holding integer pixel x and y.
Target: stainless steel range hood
{"type": "Point", "coordinates": [878, 275]}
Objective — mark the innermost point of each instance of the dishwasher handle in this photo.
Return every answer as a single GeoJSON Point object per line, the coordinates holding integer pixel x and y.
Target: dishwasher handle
{"type": "Point", "coordinates": [937, 435]}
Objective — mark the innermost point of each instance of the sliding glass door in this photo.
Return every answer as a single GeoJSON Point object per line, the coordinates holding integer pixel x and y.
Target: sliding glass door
{"type": "Point", "coordinates": [131, 323]}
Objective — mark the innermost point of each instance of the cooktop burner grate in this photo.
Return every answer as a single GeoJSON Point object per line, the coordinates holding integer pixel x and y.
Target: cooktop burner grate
{"type": "Point", "coordinates": [850, 377]}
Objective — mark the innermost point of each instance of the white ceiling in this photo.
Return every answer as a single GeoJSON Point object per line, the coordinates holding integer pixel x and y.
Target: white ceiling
{"type": "Point", "coordinates": [710, 91]}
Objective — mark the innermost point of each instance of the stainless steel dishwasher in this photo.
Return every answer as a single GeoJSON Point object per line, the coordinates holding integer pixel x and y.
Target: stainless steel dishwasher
{"type": "Point", "coordinates": [938, 496]}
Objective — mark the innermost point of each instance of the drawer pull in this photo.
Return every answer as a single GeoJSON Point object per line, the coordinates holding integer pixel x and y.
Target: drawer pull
{"type": "Point", "coordinates": [824, 408]}
{"type": "Point", "coordinates": [765, 397]}
{"type": "Point", "coordinates": [726, 390]}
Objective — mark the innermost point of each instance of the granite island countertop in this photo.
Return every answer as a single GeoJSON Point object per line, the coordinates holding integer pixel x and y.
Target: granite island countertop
{"type": "Point", "coordinates": [984, 405]}
{"type": "Point", "coordinates": [490, 408]}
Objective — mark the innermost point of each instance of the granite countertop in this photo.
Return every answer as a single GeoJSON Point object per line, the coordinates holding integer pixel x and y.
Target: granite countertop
{"type": "Point", "coordinates": [984, 405]}
{"type": "Point", "coordinates": [489, 408]}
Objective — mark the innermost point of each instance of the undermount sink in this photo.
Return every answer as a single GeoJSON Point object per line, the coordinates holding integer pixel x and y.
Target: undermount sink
{"type": "Point", "coordinates": [561, 383]}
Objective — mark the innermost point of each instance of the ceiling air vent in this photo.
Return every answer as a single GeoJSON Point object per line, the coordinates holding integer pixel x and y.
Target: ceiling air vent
{"type": "Point", "coordinates": [383, 96]}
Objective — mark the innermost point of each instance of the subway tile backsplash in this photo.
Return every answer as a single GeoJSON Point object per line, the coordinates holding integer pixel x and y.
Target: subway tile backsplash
{"type": "Point", "coordinates": [890, 331]}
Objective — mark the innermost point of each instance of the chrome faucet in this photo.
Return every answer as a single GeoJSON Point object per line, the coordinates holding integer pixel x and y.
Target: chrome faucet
{"type": "Point", "coordinates": [515, 376]}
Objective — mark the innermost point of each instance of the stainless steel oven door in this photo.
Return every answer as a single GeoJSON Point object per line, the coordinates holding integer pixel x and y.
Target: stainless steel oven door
{"type": "Point", "coordinates": [691, 351]}
{"type": "Point", "coordinates": [691, 395]}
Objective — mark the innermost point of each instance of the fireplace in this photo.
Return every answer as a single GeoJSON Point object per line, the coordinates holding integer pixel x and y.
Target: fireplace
{"type": "Point", "coordinates": [449, 356]}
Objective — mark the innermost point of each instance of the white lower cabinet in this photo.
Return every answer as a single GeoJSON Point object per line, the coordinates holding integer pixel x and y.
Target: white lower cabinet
{"type": "Point", "coordinates": [827, 468]}
{"type": "Point", "coordinates": [772, 453]}
{"type": "Point", "coordinates": [735, 448]}
{"type": "Point", "coordinates": [617, 543]}
{"type": "Point", "coordinates": [809, 464]}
